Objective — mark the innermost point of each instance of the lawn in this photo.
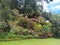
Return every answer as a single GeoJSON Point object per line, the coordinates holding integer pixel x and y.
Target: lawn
{"type": "Point", "coordinates": [50, 41]}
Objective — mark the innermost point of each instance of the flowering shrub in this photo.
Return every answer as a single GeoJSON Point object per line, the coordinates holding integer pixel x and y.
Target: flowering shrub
{"type": "Point", "coordinates": [33, 19]}
{"type": "Point", "coordinates": [50, 34]}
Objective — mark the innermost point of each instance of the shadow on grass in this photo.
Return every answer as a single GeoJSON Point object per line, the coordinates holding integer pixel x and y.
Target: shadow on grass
{"type": "Point", "coordinates": [5, 40]}
{"type": "Point", "coordinates": [19, 39]}
{"type": "Point", "coordinates": [57, 37]}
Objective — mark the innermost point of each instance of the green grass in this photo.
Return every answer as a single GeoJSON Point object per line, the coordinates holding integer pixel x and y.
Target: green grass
{"type": "Point", "coordinates": [50, 41]}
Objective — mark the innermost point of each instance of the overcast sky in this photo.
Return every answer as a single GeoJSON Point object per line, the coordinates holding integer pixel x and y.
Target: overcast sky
{"type": "Point", "coordinates": [52, 6]}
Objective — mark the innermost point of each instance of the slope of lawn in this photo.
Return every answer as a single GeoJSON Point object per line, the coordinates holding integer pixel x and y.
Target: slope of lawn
{"type": "Point", "coordinates": [50, 41]}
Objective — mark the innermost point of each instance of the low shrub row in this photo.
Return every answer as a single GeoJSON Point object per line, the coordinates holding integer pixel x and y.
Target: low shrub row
{"type": "Point", "coordinates": [26, 28]}
{"type": "Point", "coordinates": [24, 34]}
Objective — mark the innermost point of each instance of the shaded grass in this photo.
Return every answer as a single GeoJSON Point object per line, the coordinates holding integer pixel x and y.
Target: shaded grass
{"type": "Point", "coordinates": [49, 41]}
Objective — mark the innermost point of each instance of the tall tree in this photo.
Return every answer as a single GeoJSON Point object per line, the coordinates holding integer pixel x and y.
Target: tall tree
{"type": "Point", "coordinates": [55, 19]}
{"type": "Point", "coordinates": [5, 12]}
{"type": "Point", "coordinates": [30, 5]}
{"type": "Point", "coordinates": [26, 6]}
{"type": "Point", "coordinates": [14, 4]}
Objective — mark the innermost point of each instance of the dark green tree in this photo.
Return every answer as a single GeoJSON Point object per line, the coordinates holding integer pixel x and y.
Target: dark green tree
{"type": "Point", "coordinates": [46, 15]}
{"type": "Point", "coordinates": [14, 4]}
{"type": "Point", "coordinates": [55, 19]}
{"type": "Point", "coordinates": [5, 12]}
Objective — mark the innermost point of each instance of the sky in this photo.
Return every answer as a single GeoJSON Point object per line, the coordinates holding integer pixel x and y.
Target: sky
{"type": "Point", "coordinates": [53, 6]}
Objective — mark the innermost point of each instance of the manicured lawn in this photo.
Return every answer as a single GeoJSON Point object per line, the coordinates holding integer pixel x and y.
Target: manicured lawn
{"type": "Point", "coordinates": [50, 41]}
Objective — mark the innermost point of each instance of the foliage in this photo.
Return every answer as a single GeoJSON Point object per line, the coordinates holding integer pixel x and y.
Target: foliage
{"type": "Point", "coordinates": [55, 20]}
{"type": "Point", "coordinates": [37, 27]}
{"type": "Point", "coordinates": [41, 20]}
{"type": "Point", "coordinates": [23, 31]}
{"type": "Point", "coordinates": [10, 35]}
{"type": "Point", "coordinates": [5, 11]}
{"type": "Point", "coordinates": [48, 23]}
{"type": "Point", "coordinates": [14, 4]}
{"type": "Point", "coordinates": [25, 22]}
{"type": "Point", "coordinates": [33, 27]}
{"type": "Point", "coordinates": [15, 13]}
{"type": "Point", "coordinates": [3, 27]}
{"type": "Point", "coordinates": [26, 36]}
{"type": "Point", "coordinates": [26, 32]}
{"type": "Point", "coordinates": [46, 29]}
{"type": "Point", "coordinates": [50, 34]}
{"type": "Point", "coordinates": [16, 30]}
{"type": "Point", "coordinates": [2, 35]}
{"type": "Point", "coordinates": [46, 15]}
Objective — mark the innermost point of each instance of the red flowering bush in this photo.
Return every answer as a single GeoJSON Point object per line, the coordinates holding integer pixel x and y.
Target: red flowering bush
{"type": "Point", "coordinates": [49, 34]}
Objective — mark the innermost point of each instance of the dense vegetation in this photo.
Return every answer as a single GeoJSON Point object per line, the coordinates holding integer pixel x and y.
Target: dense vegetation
{"type": "Point", "coordinates": [26, 20]}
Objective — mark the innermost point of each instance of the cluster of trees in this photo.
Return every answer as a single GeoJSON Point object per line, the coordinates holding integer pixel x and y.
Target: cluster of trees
{"type": "Point", "coordinates": [55, 20]}
{"type": "Point", "coordinates": [13, 25]}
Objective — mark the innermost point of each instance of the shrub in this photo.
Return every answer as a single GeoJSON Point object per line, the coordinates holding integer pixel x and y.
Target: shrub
{"type": "Point", "coordinates": [41, 20]}
{"type": "Point", "coordinates": [50, 34]}
{"type": "Point", "coordinates": [57, 33]}
{"type": "Point", "coordinates": [26, 36]}
{"type": "Point", "coordinates": [23, 31]}
{"type": "Point", "coordinates": [25, 22]}
{"type": "Point", "coordinates": [23, 36]}
{"type": "Point", "coordinates": [26, 32]}
{"type": "Point", "coordinates": [33, 19]}
{"type": "Point", "coordinates": [36, 36]}
{"type": "Point", "coordinates": [37, 27]}
{"type": "Point", "coordinates": [48, 23]}
{"type": "Point", "coordinates": [14, 30]}
{"type": "Point", "coordinates": [2, 35]}
{"type": "Point", "coordinates": [30, 36]}
{"type": "Point", "coordinates": [10, 35]}
{"type": "Point", "coordinates": [3, 26]}
{"type": "Point", "coordinates": [18, 30]}
{"type": "Point", "coordinates": [46, 29]}
{"type": "Point", "coordinates": [31, 32]}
